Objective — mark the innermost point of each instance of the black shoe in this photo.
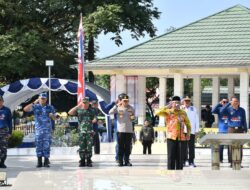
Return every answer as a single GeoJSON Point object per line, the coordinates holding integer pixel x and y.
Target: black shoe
{"type": "Point", "coordinates": [46, 163]}
{"type": "Point", "coordinates": [2, 165]}
{"type": "Point", "coordinates": [39, 162]}
{"type": "Point", "coordinates": [89, 162]}
{"type": "Point", "coordinates": [192, 165]}
{"type": "Point", "coordinates": [82, 163]}
{"type": "Point", "coordinates": [120, 164]}
{"type": "Point", "coordinates": [128, 164]}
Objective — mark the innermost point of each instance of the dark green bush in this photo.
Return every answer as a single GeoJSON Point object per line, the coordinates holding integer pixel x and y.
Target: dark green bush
{"type": "Point", "coordinates": [15, 139]}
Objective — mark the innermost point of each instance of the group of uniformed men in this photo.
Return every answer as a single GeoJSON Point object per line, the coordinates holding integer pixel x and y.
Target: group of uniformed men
{"type": "Point", "coordinates": [87, 127]}
{"type": "Point", "coordinates": [182, 124]}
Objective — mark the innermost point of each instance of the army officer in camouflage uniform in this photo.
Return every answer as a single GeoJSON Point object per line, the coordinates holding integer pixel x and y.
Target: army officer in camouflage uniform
{"type": "Point", "coordinates": [86, 118]}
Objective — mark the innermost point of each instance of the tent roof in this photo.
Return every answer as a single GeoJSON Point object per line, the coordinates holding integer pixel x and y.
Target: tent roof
{"type": "Point", "coordinates": [19, 91]}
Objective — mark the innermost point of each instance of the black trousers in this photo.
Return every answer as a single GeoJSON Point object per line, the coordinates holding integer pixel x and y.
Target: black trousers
{"type": "Point", "coordinates": [175, 154]}
{"type": "Point", "coordinates": [124, 146]}
{"type": "Point", "coordinates": [146, 146]}
{"type": "Point", "coordinates": [189, 150]}
{"type": "Point", "coordinates": [221, 152]}
{"type": "Point", "coordinates": [96, 142]}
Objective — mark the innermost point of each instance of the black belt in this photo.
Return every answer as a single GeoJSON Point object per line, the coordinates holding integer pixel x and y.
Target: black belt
{"type": "Point", "coordinates": [236, 127]}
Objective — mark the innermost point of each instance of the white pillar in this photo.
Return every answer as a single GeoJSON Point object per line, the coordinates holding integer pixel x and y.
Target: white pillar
{"type": "Point", "coordinates": [215, 93]}
{"type": "Point", "coordinates": [230, 86]}
{"type": "Point", "coordinates": [113, 88]}
{"type": "Point", "coordinates": [120, 84]}
{"type": "Point", "coordinates": [244, 86]}
{"type": "Point", "coordinates": [178, 85]}
{"type": "Point", "coordinates": [197, 94]}
{"type": "Point", "coordinates": [141, 99]}
{"type": "Point", "coordinates": [163, 93]}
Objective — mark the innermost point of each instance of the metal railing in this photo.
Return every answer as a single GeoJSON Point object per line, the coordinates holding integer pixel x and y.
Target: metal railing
{"type": "Point", "coordinates": [26, 128]}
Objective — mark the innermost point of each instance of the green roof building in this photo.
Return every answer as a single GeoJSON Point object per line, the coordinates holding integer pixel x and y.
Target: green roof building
{"type": "Point", "coordinates": [217, 46]}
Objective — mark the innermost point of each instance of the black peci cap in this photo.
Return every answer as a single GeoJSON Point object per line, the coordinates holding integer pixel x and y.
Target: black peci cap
{"type": "Point", "coordinates": [176, 98]}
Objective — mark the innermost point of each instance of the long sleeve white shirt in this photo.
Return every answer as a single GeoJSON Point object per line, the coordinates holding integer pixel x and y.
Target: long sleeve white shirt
{"type": "Point", "coordinates": [193, 118]}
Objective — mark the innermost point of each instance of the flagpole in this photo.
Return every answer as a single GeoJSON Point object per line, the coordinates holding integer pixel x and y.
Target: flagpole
{"type": "Point", "coordinates": [83, 61]}
{"type": "Point", "coordinates": [81, 78]}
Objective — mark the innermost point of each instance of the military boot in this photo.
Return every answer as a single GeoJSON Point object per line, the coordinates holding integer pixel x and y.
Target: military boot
{"type": "Point", "coordinates": [89, 163]}
{"type": "Point", "coordinates": [46, 162]}
{"type": "Point", "coordinates": [2, 165]}
{"type": "Point", "coordinates": [39, 162]}
{"type": "Point", "coordinates": [82, 163]}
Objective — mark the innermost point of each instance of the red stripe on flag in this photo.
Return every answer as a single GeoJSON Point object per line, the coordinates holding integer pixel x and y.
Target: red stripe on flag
{"type": "Point", "coordinates": [81, 81]}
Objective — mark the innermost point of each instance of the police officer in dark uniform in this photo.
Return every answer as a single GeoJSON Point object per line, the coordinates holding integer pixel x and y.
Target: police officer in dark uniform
{"type": "Point", "coordinates": [5, 131]}
{"type": "Point", "coordinates": [96, 140]}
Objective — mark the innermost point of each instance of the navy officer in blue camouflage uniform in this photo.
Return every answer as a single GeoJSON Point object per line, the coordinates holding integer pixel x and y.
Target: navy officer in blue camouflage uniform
{"type": "Point", "coordinates": [236, 121]}
{"type": "Point", "coordinates": [5, 131]}
{"type": "Point", "coordinates": [43, 126]}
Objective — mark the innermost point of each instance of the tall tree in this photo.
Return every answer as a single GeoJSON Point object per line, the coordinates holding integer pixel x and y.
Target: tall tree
{"type": "Point", "coordinates": [33, 31]}
{"type": "Point", "coordinates": [116, 16]}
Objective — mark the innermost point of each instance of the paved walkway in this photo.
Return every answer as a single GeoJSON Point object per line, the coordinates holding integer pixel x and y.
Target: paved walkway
{"type": "Point", "coordinates": [148, 172]}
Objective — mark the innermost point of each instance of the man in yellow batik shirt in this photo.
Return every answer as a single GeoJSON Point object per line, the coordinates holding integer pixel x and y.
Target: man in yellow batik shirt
{"type": "Point", "coordinates": [178, 132]}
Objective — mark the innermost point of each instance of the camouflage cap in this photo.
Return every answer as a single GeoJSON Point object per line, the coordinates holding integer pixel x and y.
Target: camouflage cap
{"type": "Point", "coordinates": [85, 99]}
{"type": "Point", "coordinates": [43, 95]}
{"type": "Point", "coordinates": [94, 101]}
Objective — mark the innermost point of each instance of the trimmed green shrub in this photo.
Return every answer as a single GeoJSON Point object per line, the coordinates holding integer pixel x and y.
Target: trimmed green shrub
{"type": "Point", "coordinates": [63, 137]}
{"type": "Point", "coordinates": [15, 139]}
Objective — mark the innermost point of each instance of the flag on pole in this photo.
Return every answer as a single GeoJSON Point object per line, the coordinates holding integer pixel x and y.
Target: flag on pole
{"type": "Point", "coordinates": [81, 80]}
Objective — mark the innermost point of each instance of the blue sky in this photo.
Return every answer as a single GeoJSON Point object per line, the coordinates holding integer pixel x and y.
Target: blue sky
{"type": "Point", "coordinates": [176, 13]}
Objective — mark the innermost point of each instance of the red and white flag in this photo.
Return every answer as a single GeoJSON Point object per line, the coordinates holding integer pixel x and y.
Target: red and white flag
{"type": "Point", "coordinates": [81, 80]}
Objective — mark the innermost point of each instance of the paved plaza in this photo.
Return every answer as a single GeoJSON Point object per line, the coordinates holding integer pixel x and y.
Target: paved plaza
{"type": "Point", "coordinates": [148, 171]}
